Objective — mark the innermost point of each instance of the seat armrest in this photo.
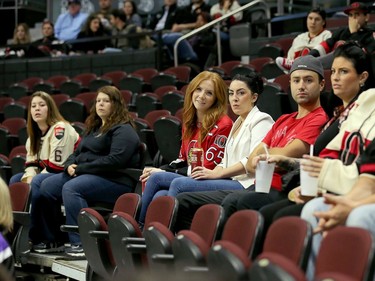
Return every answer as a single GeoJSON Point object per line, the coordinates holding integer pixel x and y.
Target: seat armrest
{"type": "Point", "coordinates": [104, 235]}
{"type": "Point", "coordinates": [22, 218]}
{"type": "Point", "coordinates": [69, 228]}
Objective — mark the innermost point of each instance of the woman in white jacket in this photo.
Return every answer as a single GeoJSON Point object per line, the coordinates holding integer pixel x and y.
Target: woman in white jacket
{"type": "Point", "coordinates": [247, 132]}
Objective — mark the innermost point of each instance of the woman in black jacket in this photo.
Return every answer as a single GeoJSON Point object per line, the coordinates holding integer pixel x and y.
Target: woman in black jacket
{"type": "Point", "coordinates": [95, 171]}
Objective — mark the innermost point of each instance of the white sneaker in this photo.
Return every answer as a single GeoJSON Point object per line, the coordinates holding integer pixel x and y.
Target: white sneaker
{"type": "Point", "coordinates": [284, 64]}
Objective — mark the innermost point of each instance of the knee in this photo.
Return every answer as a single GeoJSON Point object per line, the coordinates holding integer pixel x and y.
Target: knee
{"type": "Point", "coordinates": [311, 207]}
{"type": "Point", "coordinates": [361, 217]}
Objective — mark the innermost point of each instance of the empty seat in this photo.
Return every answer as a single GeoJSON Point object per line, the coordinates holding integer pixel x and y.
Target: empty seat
{"type": "Point", "coordinates": [73, 110]}
{"type": "Point", "coordinates": [163, 79]}
{"type": "Point", "coordinates": [115, 76]}
{"type": "Point", "coordinates": [122, 228]}
{"type": "Point", "coordinates": [15, 109]}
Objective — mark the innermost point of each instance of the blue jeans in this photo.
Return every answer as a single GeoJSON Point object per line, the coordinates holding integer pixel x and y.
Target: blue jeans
{"type": "Point", "coordinates": [307, 214]}
{"type": "Point", "coordinates": [187, 184]}
{"type": "Point", "coordinates": [15, 178]}
{"type": "Point", "coordinates": [38, 223]}
{"type": "Point", "coordinates": [75, 193]}
{"type": "Point", "coordinates": [185, 50]}
{"type": "Point", "coordinates": [363, 217]}
{"type": "Point", "coordinates": [156, 186]}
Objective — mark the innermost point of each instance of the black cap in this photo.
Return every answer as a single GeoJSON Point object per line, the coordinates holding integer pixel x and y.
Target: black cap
{"type": "Point", "coordinates": [357, 6]}
{"type": "Point", "coordinates": [74, 2]}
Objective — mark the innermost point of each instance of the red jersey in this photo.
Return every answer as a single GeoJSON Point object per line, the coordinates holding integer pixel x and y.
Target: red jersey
{"type": "Point", "coordinates": [213, 144]}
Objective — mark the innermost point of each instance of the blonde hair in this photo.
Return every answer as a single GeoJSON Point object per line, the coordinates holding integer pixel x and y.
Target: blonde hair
{"type": "Point", "coordinates": [6, 211]}
{"type": "Point", "coordinates": [27, 38]}
{"type": "Point", "coordinates": [213, 114]}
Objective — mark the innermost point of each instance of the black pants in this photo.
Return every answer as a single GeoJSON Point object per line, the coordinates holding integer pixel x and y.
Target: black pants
{"type": "Point", "coordinates": [279, 209]}
{"type": "Point", "coordinates": [231, 200]}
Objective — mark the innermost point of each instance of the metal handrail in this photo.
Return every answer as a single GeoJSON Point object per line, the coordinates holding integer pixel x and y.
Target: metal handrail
{"type": "Point", "coordinates": [217, 21]}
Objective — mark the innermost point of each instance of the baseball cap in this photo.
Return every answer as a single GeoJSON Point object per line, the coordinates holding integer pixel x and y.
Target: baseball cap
{"type": "Point", "coordinates": [74, 2]}
{"type": "Point", "coordinates": [308, 63]}
{"type": "Point", "coordinates": [357, 6]}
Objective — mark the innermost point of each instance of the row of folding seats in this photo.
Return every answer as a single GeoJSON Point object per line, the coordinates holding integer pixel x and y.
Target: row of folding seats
{"type": "Point", "coordinates": [141, 80]}
{"type": "Point", "coordinates": [238, 255]}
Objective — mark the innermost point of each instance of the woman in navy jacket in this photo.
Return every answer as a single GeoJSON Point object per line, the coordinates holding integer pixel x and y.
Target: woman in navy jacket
{"type": "Point", "coordinates": [94, 172]}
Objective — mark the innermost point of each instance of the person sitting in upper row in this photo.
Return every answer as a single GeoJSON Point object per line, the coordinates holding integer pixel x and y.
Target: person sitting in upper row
{"type": "Point", "coordinates": [315, 34]}
{"type": "Point", "coordinates": [69, 24]}
{"type": "Point", "coordinates": [130, 10]}
{"type": "Point", "coordinates": [357, 30]}
{"type": "Point", "coordinates": [93, 28]}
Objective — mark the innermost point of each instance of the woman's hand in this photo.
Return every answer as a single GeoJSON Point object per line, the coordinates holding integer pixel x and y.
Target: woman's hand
{"type": "Point", "coordinates": [313, 165]}
{"type": "Point", "coordinates": [200, 173]}
{"type": "Point", "coordinates": [72, 170]}
{"type": "Point", "coordinates": [147, 172]}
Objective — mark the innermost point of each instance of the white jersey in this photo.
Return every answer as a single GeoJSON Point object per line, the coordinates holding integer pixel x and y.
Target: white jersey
{"type": "Point", "coordinates": [56, 145]}
{"type": "Point", "coordinates": [302, 44]}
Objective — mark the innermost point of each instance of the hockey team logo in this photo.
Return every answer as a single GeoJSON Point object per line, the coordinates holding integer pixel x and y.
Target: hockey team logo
{"type": "Point", "coordinates": [59, 132]}
{"type": "Point", "coordinates": [220, 141]}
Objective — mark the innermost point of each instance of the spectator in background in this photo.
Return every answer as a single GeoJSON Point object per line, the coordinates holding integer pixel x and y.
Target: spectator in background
{"type": "Point", "coordinates": [166, 18]}
{"type": "Point", "coordinates": [203, 43]}
{"type": "Point", "coordinates": [45, 43]}
{"type": "Point", "coordinates": [104, 13]}
{"type": "Point", "coordinates": [21, 35]}
{"type": "Point", "coordinates": [92, 28]}
{"type": "Point", "coordinates": [184, 20]}
{"type": "Point", "coordinates": [120, 27]}
{"type": "Point", "coordinates": [6, 225]}
{"type": "Point", "coordinates": [315, 34]}
{"type": "Point", "coordinates": [69, 24]}
{"type": "Point", "coordinates": [130, 10]}
{"type": "Point", "coordinates": [357, 30]}
{"type": "Point", "coordinates": [221, 9]}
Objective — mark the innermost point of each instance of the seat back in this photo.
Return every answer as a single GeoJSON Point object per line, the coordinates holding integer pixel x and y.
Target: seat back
{"type": "Point", "coordinates": [163, 79]}
{"type": "Point", "coordinates": [71, 87]}
{"type": "Point", "coordinates": [248, 239]}
{"type": "Point", "coordinates": [122, 226]}
{"type": "Point", "coordinates": [190, 247]}
{"type": "Point", "coordinates": [98, 252]}
{"type": "Point", "coordinates": [129, 203]}
{"type": "Point", "coordinates": [73, 110]}
{"type": "Point", "coordinates": [275, 267]}
{"type": "Point", "coordinates": [173, 101]}
{"type": "Point", "coordinates": [19, 237]}
{"type": "Point", "coordinates": [348, 251]}
{"type": "Point", "coordinates": [15, 109]}
{"type": "Point", "coordinates": [296, 243]}
{"type": "Point", "coordinates": [227, 261]}
{"type": "Point", "coordinates": [115, 76]}
{"type": "Point", "coordinates": [168, 134]}
{"type": "Point", "coordinates": [154, 115]}
{"type": "Point", "coordinates": [229, 258]}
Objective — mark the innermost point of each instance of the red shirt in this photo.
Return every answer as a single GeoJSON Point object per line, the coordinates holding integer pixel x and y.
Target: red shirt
{"type": "Point", "coordinates": [287, 128]}
{"type": "Point", "coordinates": [213, 144]}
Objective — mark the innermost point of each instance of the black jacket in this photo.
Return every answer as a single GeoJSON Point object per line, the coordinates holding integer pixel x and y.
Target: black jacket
{"type": "Point", "coordinates": [107, 155]}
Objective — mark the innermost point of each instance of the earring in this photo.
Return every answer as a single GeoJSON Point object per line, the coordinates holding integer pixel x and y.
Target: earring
{"type": "Point", "coordinates": [361, 84]}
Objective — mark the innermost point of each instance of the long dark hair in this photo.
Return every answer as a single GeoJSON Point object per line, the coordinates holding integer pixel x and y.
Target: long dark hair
{"type": "Point", "coordinates": [53, 116]}
{"type": "Point", "coordinates": [119, 112]}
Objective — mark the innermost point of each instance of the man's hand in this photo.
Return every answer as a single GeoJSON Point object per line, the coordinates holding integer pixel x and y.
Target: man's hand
{"type": "Point", "coordinates": [337, 215]}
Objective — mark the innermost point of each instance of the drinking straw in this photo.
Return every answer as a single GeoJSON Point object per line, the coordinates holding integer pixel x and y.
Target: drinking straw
{"type": "Point", "coordinates": [311, 150]}
{"type": "Point", "coordinates": [266, 150]}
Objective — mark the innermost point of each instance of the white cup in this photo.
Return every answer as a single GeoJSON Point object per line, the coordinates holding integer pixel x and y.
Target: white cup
{"type": "Point", "coordinates": [309, 184]}
{"type": "Point", "coordinates": [263, 176]}
{"type": "Point", "coordinates": [245, 59]}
